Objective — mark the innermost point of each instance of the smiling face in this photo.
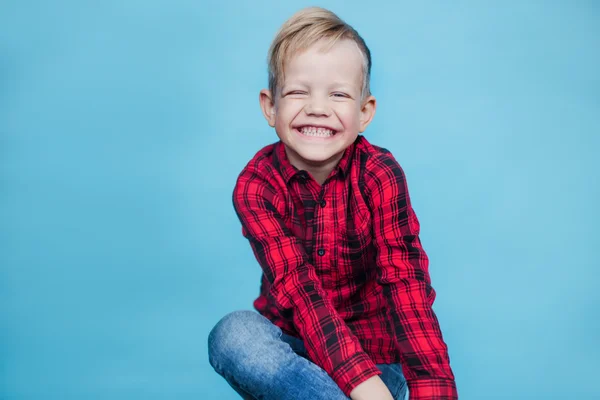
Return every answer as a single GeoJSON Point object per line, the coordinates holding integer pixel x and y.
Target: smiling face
{"type": "Point", "coordinates": [319, 111]}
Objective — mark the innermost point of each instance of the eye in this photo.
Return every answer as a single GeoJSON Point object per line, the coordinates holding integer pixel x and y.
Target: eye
{"type": "Point", "coordinates": [295, 92]}
{"type": "Point", "coordinates": [340, 95]}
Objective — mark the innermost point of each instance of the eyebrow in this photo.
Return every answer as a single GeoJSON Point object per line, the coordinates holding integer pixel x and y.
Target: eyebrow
{"type": "Point", "coordinates": [335, 84]}
{"type": "Point", "coordinates": [342, 83]}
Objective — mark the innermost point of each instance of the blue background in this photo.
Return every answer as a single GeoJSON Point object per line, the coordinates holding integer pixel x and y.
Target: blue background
{"type": "Point", "coordinates": [124, 125]}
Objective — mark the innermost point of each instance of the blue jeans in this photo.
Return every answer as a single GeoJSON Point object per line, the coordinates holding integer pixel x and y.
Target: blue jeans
{"type": "Point", "coordinates": [260, 362]}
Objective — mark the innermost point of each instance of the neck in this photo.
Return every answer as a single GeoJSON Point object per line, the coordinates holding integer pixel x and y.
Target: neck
{"type": "Point", "coordinates": [318, 170]}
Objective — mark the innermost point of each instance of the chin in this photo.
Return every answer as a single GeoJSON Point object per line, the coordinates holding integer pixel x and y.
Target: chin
{"type": "Point", "coordinates": [317, 157]}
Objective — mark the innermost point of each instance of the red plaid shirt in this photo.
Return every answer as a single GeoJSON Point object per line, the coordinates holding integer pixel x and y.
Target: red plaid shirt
{"type": "Point", "coordinates": [343, 267]}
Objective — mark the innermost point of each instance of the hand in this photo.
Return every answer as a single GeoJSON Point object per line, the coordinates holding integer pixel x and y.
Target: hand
{"type": "Point", "coordinates": [371, 389]}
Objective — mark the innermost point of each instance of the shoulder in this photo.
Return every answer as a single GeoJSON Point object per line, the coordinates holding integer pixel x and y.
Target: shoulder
{"type": "Point", "coordinates": [260, 162]}
{"type": "Point", "coordinates": [378, 163]}
{"type": "Point", "coordinates": [261, 166]}
{"type": "Point", "coordinates": [258, 176]}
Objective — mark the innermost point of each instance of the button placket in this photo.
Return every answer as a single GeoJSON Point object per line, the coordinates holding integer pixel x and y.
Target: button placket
{"type": "Point", "coordinates": [324, 224]}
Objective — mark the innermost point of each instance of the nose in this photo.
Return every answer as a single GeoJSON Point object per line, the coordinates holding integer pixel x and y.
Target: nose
{"type": "Point", "coordinates": [316, 106]}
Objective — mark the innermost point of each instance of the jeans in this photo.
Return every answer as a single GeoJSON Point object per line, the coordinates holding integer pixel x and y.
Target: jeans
{"type": "Point", "coordinates": [260, 362]}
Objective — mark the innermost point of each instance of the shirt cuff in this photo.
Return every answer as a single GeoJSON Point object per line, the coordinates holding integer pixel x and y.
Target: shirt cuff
{"type": "Point", "coordinates": [432, 389]}
{"type": "Point", "coordinates": [355, 370]}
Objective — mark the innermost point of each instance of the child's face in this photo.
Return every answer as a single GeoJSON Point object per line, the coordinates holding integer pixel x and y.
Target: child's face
{"type": "Point", "coordinates": [318, 110]}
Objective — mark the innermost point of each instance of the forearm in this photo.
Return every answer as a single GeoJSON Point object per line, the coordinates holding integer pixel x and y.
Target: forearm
{"type": "Point", "coordinates": [418, 334]}
{"type": "Point", "coordinates": [329, 341]}
{"type": "Point", "coordinates": [371, 389]}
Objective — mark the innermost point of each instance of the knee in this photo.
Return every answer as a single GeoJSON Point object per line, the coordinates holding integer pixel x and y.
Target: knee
{"type": "Point", "coordinates": [235, 335]}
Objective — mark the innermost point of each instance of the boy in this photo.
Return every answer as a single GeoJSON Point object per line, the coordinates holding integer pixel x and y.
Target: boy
{"type": "Point", "coordinates": [345, 301]}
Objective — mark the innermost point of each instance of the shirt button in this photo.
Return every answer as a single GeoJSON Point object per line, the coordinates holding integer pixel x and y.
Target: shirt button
{"type": "Point", "coordinates": [302, 176]}
{"type": "Point", "coordinates": [321, 252]}
{"type": "Point", "coordinates": [322, 203]}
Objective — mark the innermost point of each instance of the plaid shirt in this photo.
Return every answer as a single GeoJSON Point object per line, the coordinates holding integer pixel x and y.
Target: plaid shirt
{"type": "Point", "coordinates": [343, 267]}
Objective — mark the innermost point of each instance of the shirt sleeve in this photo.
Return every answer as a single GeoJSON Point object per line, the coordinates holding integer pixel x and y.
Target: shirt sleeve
{"type": "Point", "coordinates": [403, 273]}
{"type": "Point", "coordinates": [295, 285]}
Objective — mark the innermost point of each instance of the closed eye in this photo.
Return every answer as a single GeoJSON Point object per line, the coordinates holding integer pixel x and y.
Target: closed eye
{"type": "Point", "coordinates": [295, 92]}
{"type": "Point", "coordinates": [340, 95]}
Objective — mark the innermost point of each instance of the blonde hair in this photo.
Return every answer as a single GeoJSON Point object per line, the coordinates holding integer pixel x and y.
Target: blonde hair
{"type": "Point", "coordinates": [304, 29]}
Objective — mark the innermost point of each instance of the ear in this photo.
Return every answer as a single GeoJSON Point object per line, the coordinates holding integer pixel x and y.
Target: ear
{"type": "Point", "coordinates": [267, 104]}
{"type": "Point", "coordinates": [367, 112]}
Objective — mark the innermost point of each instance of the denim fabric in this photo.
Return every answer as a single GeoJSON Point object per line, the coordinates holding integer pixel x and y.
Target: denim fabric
{"type": "Point", "coordinates": [260, 362]}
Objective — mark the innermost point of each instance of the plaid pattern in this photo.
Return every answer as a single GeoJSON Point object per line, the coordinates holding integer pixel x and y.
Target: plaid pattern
{"type": "Point", "coordinates": [343, 267]}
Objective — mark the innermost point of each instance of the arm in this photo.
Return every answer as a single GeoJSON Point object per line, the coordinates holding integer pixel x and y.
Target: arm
{"type": "Point", "coordinates": [403, 273]}
{"type": "Point", "coordinates": [295, 285]}
{"type": "Point", "coordinates": [371, 389]}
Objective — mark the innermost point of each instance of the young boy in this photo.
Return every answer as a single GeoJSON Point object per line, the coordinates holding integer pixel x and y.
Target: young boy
{"type": "Point", "coordinates": [345, 300]}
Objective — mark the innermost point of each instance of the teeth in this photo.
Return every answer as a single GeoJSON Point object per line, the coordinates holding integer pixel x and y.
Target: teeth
{"type": "Point", "coordinates": [313, 131]}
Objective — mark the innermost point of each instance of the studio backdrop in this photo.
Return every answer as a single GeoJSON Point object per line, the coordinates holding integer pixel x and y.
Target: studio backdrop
{"type": "Point", "coordinates": [124, 125]}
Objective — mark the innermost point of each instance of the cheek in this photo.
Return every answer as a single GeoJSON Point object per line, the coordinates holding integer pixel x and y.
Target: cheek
{"type": "Point", "coordinates": [350, 117]}
{"type": "Point", "coordinates": [286, 113]}
{"type": "Point", "coordinates": [281, 120]}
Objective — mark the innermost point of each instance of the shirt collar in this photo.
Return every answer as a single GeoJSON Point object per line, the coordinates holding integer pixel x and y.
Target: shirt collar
{"type": "Point", "coordinates": [288, 171]}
